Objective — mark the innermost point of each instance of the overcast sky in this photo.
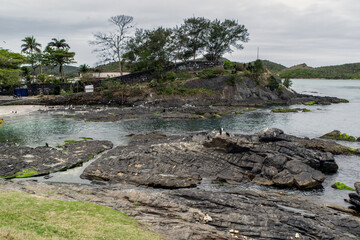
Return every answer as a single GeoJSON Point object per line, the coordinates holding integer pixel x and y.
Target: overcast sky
{"type": "Point", "coordinates": [315, 32]}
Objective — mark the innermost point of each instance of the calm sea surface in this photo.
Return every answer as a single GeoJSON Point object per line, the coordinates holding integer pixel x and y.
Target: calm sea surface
{"type": "Point", "coordinates": [36, 128]}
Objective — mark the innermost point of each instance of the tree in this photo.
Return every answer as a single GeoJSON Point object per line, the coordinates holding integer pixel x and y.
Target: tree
{"type": "Point", "coordinates": [112, 44]}
{"type": "Point", "coordinates": [32, 49]}
{"type": "Point", "coordinates": [58, 44]}
{"type": "Point", "coordinates": [150, 49]}
{"type": "Point", "coordinates": [57, 54]}
{"type": "Point", "coordinates": [84, 68]}
{"type": "Point", "coordinates": [195, 31]}
{"type": "Point", "coordinates": [222, 36]}
{"type": "Point", "coordinates": [10, 72]}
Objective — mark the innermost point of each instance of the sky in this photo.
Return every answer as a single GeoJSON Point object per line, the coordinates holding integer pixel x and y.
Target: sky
{"type": "Point", "coordinates": [289, 32]}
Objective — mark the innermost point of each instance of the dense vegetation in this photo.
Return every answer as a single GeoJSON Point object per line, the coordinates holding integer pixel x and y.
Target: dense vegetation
{"type": "Point", "coordinates": [160, 47]}
{"type": "Point", "coordinates": [10, 72]}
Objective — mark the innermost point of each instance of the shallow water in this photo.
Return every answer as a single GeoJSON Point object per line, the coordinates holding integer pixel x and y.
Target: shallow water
{"type": "Point", "coordinates": [35, 128]}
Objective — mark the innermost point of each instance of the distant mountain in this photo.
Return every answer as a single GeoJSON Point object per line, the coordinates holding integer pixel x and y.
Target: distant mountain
{"type": "Point", "coordinates": [345, 71]}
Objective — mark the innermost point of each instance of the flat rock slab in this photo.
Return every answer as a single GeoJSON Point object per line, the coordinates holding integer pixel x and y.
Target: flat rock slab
{"type": "Point", "coordinates": [193, 214]}
{"type": "Point", "coordinates": [268, 158]}
{"type": "Point", "coordinates": [19, 161]}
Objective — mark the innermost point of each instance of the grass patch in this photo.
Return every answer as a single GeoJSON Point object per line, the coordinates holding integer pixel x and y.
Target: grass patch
{"type": "Point", "coordinates": [23, 216]}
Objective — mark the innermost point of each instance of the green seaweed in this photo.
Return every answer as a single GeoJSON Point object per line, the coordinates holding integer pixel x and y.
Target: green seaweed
{"type": "Point", "coordinates": [21, 174]}
{"type": "Point", "coordinates": [86, 138]}
{"type": "Point", "coordinates": [310, 103]}
{"type": "Point", "coordinates": [341, 186]}
{"type": "Point", "coordinates": [71, 141]}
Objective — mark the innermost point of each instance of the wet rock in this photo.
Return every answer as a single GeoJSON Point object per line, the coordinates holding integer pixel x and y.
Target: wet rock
{"type": "Point", "coordinates": [357, 187]}
{"type": "Point", "coordinates": [269, 158]}
{"type": "Point", "coordinates": [337, 135]}
{"type": "Point", "coordinates": [20, 161]}
{"type": "Point", "coordinates": [354, 201]}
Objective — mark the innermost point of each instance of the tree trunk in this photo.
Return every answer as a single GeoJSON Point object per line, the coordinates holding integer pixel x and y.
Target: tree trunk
{"type": "Point", "coordinates": [61, 71]}
{"type": "Point", "coordinates": [120, 67]}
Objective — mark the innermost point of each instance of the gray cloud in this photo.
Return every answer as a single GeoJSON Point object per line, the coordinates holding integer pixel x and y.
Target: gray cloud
{"type": "Point", "coordinates": [322, 32]}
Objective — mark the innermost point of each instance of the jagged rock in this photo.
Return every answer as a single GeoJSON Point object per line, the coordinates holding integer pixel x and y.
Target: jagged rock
{"type": "Point", "coordinates": [269, 158]}
{"type": "Point", "coordinates": [19, 161]}
{"type": "Point", "coordinates": [355, 201]}
{"type": "Point", "coordinates": [357, 187]}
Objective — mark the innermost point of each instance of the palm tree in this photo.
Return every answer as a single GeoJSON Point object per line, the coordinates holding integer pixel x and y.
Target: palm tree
{"type": "Point", "coordinates": [59, 44]}
{"type": "Point", "coordinates": [30, 45]}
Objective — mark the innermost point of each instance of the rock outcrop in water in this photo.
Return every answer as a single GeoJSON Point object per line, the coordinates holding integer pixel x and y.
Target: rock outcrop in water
{"type": "Point", "coordinates": [19, 161]}
{"type": "Point", "coordinates": [193, 214]}
{"type": "Point", "coordinates": [268, 158]}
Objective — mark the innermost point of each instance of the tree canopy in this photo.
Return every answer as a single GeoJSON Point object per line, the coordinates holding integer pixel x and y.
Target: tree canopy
{"type": "Point", "coordinates": [57, 54]}
{"type": "Point", "coordinates": [10, 72]}
{"type": "Point", "coordinates": [197, 35]}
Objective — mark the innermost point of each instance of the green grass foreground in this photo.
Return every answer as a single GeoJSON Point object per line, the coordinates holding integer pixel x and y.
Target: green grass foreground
{"type": "Point", "coordinates": [25, 216]}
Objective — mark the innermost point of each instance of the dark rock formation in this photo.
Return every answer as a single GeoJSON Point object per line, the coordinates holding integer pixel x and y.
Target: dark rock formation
{"type": "Point", "coordinates": [354, 201]}
{"type": "Point", "coordinates": [357, 187]}
{"type": "Point", "coordinates": [269, 158]}
{"type": "Point", "coordinates": [337, 135]}
{"type": "Point", "coordinates": [18, 161]}
{"type": "Point", "coordinates": [192, 214]}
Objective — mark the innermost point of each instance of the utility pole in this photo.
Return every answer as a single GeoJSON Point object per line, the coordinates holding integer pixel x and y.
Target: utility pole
{"type": "Point", "coordinates": [257, 56]}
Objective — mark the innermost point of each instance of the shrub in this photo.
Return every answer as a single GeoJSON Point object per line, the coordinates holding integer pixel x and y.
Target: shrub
{"type": "Point", "coordinates": [170, 76]}
{"type": "Point", "coordinates": [43, 78]}
{"type": "Point", "coordinates": [218, 70]}
{"type": "Point", "coordinates": [212, 72]}
{"type": "Point", "coordinates": [229, 65]}
{"type": "Point", "coordinates": [287, 82]}
{"type": "Point", "coordinates": [232, 79]}
{"type": "Point", "coordinates": [273, 83]}
{"type": "Point", "coordinates": [239, 67]}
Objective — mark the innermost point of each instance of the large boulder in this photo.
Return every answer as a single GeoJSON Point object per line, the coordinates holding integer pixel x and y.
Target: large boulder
{"type": "Point", "coordinates": [268, 158]}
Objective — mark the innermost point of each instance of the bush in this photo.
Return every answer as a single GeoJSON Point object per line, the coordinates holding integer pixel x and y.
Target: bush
{"type": "Point", "coordinates": [43, 78]}
{"type": "Point", "coordinates": [287, 82]}
{"type": "Point", "coordinates": [219, 70]}
{"type": "Point", "coordinates": [229, 65]}
{"type": "Point", "coordinates": [170, 76]}
{"type": "Point", "coordinates": [212, 72]}
{"type": "Point", "coordinates": [232, 79]}
{"type": "Point", "coordinates": [273, 83]}
{"type": "Point", "coordinates": [239, 67]}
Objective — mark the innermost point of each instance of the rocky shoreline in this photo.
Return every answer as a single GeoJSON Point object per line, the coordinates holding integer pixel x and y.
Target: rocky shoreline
{"type": "Point", "coordinates": [197, 214]}
{"type": "Point", "coordinates": [155, 179]}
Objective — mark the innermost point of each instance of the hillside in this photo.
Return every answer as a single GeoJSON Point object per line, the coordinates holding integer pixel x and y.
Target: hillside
{"type": "Point", "coordinates": [345, 71]}
{"type": "Point", "coordinates": [272, 66]}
